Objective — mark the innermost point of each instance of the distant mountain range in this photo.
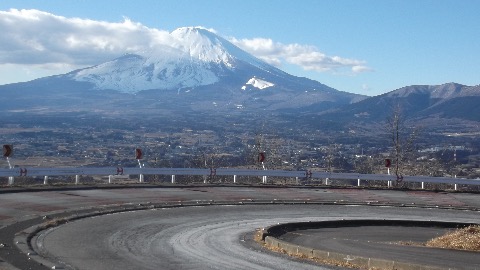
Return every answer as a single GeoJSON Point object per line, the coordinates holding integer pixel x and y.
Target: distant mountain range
{"type": "Point", "coordinates": [428, 105]}
{"type": "Point", "coordinates": [203, 73]}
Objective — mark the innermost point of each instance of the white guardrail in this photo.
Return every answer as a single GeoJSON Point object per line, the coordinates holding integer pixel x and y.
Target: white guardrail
{"type": "Point", "coordinates": [308, 174]}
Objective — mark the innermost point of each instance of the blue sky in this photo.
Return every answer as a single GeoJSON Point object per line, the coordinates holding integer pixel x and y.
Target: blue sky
{"type": "Point", "coordinates": [359, 46]}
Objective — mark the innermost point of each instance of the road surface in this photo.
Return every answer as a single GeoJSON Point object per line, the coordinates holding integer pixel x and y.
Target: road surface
{"type": "Point", "coordinates": [210, 237]}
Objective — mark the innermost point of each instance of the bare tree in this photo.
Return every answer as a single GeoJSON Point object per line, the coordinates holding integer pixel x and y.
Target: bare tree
{"type": "Point", "coordinates": [265, 151]}
{"type": "Point", "coordinates": [403, 143]}
{"type": "Point", "coordinates": [267, 147]}
{"type": "Point", "coordinates": [209, 158]}
{"type": "Point", "coordinates": [365, 165]}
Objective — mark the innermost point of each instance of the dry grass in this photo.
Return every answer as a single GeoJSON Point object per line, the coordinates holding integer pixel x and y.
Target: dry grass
{"type": "Point", "coordinates": [465, 239]}
{"type": "Point", "coordinates": [54, 223]}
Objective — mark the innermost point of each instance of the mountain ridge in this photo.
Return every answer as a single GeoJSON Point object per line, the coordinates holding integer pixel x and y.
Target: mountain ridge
{"type": "Point", "coordinates": [449, 100]}
{"type": "Point", "coordinates": [202, 73]}
{"type": "Point", "coordinates": [199, 67]}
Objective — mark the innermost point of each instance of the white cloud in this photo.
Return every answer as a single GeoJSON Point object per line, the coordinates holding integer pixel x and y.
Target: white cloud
{"type": "Point", "coordinates": [37, 37]}
{"type": "Point", "coordinates": [361, 68]}
{"type": "Point", "coordinates": [306, 56]}
{"type": "Point", "coordinates": [40, 39]}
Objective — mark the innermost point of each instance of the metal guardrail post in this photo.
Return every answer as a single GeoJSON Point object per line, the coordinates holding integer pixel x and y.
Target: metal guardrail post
{"type": "Point", "coordinates": [358, 182]}
{"type": "Point", "coordinates": [234, 179]}
{"type": "Point", "coordinates": [173, 179]}
{"type": "Point", "coordinates": [11, 180]}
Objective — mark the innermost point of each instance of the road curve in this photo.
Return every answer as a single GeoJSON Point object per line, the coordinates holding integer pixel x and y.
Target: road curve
{"type": "Point", "coordinates": [211, 237]}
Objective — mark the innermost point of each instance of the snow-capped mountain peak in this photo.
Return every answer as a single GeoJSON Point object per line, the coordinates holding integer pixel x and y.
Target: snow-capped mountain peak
{"type": "Point", "coordinates": [200, 43]}
{"type": "Point", "coordinates": [195, 57]}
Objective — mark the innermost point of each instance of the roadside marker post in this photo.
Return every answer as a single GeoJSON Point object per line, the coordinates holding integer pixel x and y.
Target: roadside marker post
{"type": "Point", "coordinates": [11, 180]}
{"type": "Point", "coordinates": [138, 156]}
{"type": "Point", "coordinates": [7, 153]}
{"type": "Point", "coordinates": [7, 150]}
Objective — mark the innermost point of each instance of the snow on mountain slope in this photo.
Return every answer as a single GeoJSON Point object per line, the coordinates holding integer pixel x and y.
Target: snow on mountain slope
{"type": "Point", "coordinates": [133, 73]}
{"type": "Point", "coordinates": [258, 83]}
{"type": "Point", "coordinates": [196, 57]}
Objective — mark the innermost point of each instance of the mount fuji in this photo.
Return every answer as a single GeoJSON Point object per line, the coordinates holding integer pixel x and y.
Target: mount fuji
{"type": "Point", "coordinates": [198, 71]}
{"type": "Point", "coordinates": [197, 58]}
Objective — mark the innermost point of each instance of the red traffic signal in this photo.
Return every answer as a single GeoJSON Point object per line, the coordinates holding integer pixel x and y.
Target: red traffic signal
{"type": "Point", "coordinates": [388, 163]}
{"type": "Point", "coordinates": [138, 153]}
{"type": "Point", "coordinates": [7, 150]}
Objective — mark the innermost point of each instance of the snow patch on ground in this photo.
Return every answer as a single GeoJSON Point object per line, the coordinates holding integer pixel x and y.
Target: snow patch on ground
{"type": "Point", "coordinates": [258, 83]}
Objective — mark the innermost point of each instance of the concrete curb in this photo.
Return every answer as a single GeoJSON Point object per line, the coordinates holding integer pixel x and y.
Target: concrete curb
{"type": "Point", "coordinates": [270, 234]}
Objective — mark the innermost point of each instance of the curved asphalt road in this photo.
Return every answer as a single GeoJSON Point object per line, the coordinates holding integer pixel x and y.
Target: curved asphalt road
{"type": "Point", "coordinates": [212, 237]}
{"type": "Point", "coordinates": [206, 237]}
